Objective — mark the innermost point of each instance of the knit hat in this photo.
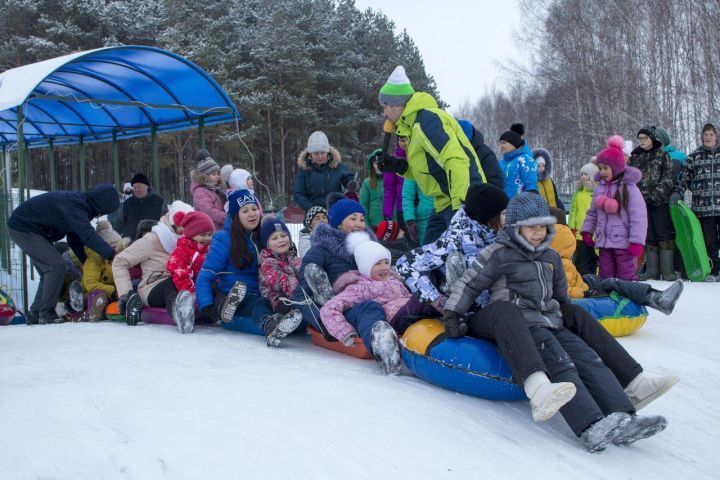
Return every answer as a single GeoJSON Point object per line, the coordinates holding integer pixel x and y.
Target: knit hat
{"type": "Point", "coordinates": [663, 136]}
{"type": "Point", "coordinates": [225, 172]}
{"type": "Point", "coordinates": [366, 252]}
{"type": "Point", "coordinates": [528, 208]}
{"type": "Point", "coordinates": [514, 135]}
{"type": "Point", "coordinates": [106, 232]}
{"type": "Point", "coordinates": [270, 226]}
{"type": "Point", "coordinates": [387, 231]}
{"type": "Point", "coordinates": [590, 169]}
{"type": "Point", "coordinates": [467, 128]}
{"type": "Point", "coordinates": [342, 209]}
{"type": "Point", "coordinates": [484, 201]}
{"type": "Point", "coordinates": [318, 143]}
{"type": "Point", "coordinates": [140, 178]}
{"type": "Point", "coordinates": [205, 163]}
{"type": "Point", "coordinates": [651, 132]}
{"type": "Point", "coordinates": [613, 155]}
{"type": "Point", "coordinates": [178, 206]}
{"type": "Point", "coordinates": [128, 188]}
{"type": "Point", "coordinates": [194, 223]}
{"type": "Point", "coordinates": [397, 90]}
{"type": "Point", "coordinates": [238, 199]}
{"type": "Point", "coordinates": [627, 148]}
{"type": "Point", "coordinates": [238, 179]}
{"type": "Point", "coordinates": [312, 211]}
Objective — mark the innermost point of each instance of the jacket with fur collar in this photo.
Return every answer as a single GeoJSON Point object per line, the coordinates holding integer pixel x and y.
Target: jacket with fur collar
{"type": "Point", "coordinates": [314, 182]}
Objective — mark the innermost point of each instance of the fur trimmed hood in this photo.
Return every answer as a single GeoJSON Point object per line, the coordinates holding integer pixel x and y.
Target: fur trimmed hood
{"type": "Point", "coordinates": [334, 240]}
{"type": "Point", "coordinates": [305, 162]}
{"type": "Point", "coordinates": [631, 175]}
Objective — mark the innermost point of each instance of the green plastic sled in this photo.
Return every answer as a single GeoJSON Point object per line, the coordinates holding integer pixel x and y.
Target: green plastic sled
{"type": "Point", "coordinates": [689, 239]}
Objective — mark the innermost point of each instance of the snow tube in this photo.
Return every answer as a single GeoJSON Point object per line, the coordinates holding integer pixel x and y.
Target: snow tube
{"type": "Point", "coordinates": [358, 350]}
{"type": "Point", "coordinates": [619, 315]}
{"type": "Point", "coordinates": [7, 309]}
{"type": "Point", "coordinates": [155, 315]}
{"type": "Point", "coordinates": [243, 324]}
{"type": "Point", "coordinates": [466, 365]}
{"type": "Point", "coordinates": [112, 313]}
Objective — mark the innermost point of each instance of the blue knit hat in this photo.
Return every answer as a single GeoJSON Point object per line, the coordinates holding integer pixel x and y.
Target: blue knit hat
{"type": "Point", "coordinates": [467, 128]}
{"type": "Point", "coordinates": [238, 199]}
{"type": "Point", "coordinates": [342, 209]}
{"type": "Point", "coordinates": [528, 208]}
{"type": "Point", "coordinates": [270, 226]}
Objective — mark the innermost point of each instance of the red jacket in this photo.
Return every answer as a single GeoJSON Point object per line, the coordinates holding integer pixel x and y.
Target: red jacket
{"type": "Point", "coordinates": [278, 275]}
{"type": "Point", "coordinates": [185, 262]}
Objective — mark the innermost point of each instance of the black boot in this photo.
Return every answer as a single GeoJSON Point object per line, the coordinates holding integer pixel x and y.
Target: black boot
{"type": "Point", "coordinates": [664, 301]}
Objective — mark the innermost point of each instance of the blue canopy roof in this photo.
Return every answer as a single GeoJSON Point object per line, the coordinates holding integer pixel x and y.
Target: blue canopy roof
{"type": "Point", "coordinates": [92, 94]}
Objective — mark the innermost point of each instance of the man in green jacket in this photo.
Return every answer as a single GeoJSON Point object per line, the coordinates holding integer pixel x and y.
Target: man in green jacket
{"type": "Point", "coordinates": [440, 158]}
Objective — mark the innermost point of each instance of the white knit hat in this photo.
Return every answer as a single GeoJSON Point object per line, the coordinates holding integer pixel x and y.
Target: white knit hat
{"type": "Point", "coordinates": [366, 252]}
{"type": "Point", "coordinates": [225, 172]}
{"type": "Point", "coordinates": [318, 142]}
{"type": "Point", "coordinates": [178, 206]}
{"type": "Point", "coordinates": [238, 179]}
{"type": "Point", "coordinates": [628, 148]}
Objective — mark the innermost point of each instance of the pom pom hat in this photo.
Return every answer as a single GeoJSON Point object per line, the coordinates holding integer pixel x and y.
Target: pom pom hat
{"type": "Point", "coordinates": [312, 211]}
{"type": "Point", "coordinates": [397, 91]}
{"type": "Point", "coordinates": [514, 135]}
{"type": "Point", "coordinates": [366, 252]}
{"type": "Point", "coordinates": [484, 201]}
{"type": "Point", "coordinates": [613, 155]}
{"type": "Point", "coordinates": [194, 223]}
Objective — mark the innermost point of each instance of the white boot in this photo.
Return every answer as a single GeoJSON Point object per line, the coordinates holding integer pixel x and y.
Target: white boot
{"type": "Point", "coordinates": [643, 390]}
{"type": "Point", "coordinates": [547, 398]}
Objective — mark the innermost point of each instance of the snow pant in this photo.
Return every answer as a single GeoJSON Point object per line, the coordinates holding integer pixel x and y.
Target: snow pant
{"type": "Point", "coordinates": [711, 234]}
{"type": "Point", "coordinates": [437, 224]}
{"type": "Point", "coordinates": [162, 294]}
{"type": "Point", "coordinates": [362, 317]}
{"type": "Point", "coordinates": [617, 263]}
{"type": "Point", "coordinates": [503, 323]}
{"type": "Point", "coordinates": [49, 262]}
{"type": "Point", "coordinates": [585, 258]}
{"type": "Point", "coordinates": [660, 226]}
{"type": "Point", "coordinates": [569, 359]}
{"type": "Point", "coordinates": [581, 322]}
{"type": "Point", "coordinates": [635, 291]}
{"type": "Point", "coordinates": [310, 311]}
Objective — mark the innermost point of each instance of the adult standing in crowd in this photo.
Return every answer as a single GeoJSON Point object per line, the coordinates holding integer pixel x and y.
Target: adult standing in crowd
{"type": "Point", "coordinates": [657, 185]}
{"type": "Point", "coordinates": [320, 172]}
{"type": "Point", "coordinates": [517, 163]}
{"type": "Point", "coordinates": [701, 177]}
{"type": "Point", "coordinates": [208, 189]}
{"type": "Point", "coordinates": [142, 205]}
{"type": "Point", "coordinates": [47, 218]}
{"type": "Point", "coordinates": [488, 159]}
{"type": "Point", "coordinates": [440, 157]}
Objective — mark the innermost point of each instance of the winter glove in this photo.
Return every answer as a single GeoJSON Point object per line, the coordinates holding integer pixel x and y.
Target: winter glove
{"type": "Point", "coordinates": [412, 231]}
{"type": "Point", "coordinates": [122, 301]}
{"type": "Point", "coordinates": [636, 249]}
{"type": "Point", "coordinates": [352, 186]}
{"type": "Point", "coordinates": [319, 283]}
{"type": "Point", "coordinates": [390, 164]}
{"type": "Point", "coordinates": [439, 303]}
{"type": "Point", "coordinates": [587, 239]}
{"type": "Point", "coordinates": [454, 326]}
{"type": "Point", "coordinates": [675, 198]}
{"type": "Point", "coordinates": [349, 340]}
{"type": "Point", "coordinates": [208, 312]}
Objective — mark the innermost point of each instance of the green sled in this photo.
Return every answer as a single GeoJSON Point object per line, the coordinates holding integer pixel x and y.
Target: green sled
{"type": "Point", "coordinates": [689, 239]}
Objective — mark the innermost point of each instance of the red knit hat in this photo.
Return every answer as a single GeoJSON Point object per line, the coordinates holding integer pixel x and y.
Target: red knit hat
{"type": "Point", "coordinates": [613, 155]}
{"type": "Point", "coordinates": [193, 223]}
{"type": "Point", "coordinates": [387, 231]}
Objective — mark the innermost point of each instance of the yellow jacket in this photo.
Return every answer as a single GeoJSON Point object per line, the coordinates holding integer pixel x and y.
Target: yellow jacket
{"type": "Point", "coordinates": [564, 244]}
{"type": "Point", "coordinates": [581, 201]}
{"type": "Point", "coordinates": [97, 273]}
{"type": "Point", "coordinates": [546, 188]}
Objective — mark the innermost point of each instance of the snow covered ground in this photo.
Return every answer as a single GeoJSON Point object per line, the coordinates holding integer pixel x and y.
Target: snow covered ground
{"type": "Point", "coordinates": [107, 401]}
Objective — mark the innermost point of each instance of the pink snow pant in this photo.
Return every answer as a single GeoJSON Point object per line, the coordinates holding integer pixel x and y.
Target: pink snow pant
{"type": "Point", "coordinates": [618, 263]}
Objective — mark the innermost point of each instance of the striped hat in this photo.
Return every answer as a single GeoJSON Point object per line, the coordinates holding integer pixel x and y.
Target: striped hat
{"type": "Point", "coordinates": [397, 90]}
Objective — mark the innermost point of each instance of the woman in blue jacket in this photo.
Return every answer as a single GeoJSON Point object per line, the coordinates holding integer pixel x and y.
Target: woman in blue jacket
{"type": "Point", "coordinates": [228, 287]}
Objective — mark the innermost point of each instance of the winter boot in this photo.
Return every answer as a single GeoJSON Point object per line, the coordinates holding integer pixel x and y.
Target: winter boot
{"type": "Point", "coordinates": [233, 300]}
{"type": "Point", "coordinates": [319, 283]}
{"type": "Point", "coordinates": [664, 301]}
{"type": "Point", "coordinates": [49, 317]}
{"type": "Point", "coordinates": [652, 264]}
{"type": "Point", "coordinates": [97, 302]}
{"type": "Point", "coordinates": [639, 428]}
{"type": "Point", "coordinates": [32, 318]}
{"type": "Point", "coordinates": [454, 268]}
{"type": "Point", "coordinates": [133, 309]}
{"type": "Point", "coordinates": [598, 436]}
{"type": "Point", "coordinates": [642, 389]}
{"type": "Point", "coordinates": [76, 296]}
{"type": "Point", "coordinates": [278, 326]}
{"type": "Point", "coordinates": [667, 261]}
{"type": "Point", "coordinates": [183, 311]}
{"type": "Point", "coordinates": [384, 343]}
{"type": "Point", "coordinates": [547, 398]}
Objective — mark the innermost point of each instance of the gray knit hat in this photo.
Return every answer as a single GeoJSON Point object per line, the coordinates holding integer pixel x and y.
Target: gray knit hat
{"type": "Point", "coordinates": [528, 208]}
{"type": "Point", "coordinates": [206, 165]}
{"type": "Point", "coordinates": [318, 142]}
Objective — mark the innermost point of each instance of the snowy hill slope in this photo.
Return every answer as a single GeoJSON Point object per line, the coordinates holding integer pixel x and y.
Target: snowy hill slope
{"type": "Point", "coordinates": [107, 401]}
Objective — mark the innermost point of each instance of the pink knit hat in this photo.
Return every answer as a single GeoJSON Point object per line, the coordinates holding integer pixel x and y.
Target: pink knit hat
{"type": "Point", "coordinates": [613, 155]}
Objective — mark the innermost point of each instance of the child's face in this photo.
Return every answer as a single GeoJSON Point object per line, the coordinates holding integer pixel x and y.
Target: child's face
{"type": "Point", "coordinates": [203, 238]}
{"type": "Point", "coordinates": [250, 184]}
{"type": "Point", "coordinates": [541, 167]}
{"type": "Point", "coordinates": [214, 178]}
{"type": "Point", "coordinates": [586, 180]}
{"type": "Point", "coordinates": [381, 270]}
{"type": "Point", "coordinates": [709, 138]}
{"type": "Point", "coordinates": [279, 242]}
{"type": "Point", "coordinates": [534, 234]}
{"type": "Point", "coordinates": [502, 218]}
{"type": "Point", "coordinates": [353, 223]}
{"type": "Point", "coordinates": [645, 142]}
{"type": "Point", "coordinates": [605, 172]}
{"type": "Point", "coordinates": [506, 147]}
{"type": "Point", "coordinates": [317, 220]}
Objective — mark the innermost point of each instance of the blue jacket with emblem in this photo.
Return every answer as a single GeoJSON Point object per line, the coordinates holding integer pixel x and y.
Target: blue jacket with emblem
{"type": "Point", "coordinates": [519, 171]}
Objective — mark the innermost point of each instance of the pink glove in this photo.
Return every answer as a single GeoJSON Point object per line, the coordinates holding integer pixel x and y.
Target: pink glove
{"type": "Point", "coordinates": [635, 249]}
{"type": "Point", "coordinates": [587, 239]}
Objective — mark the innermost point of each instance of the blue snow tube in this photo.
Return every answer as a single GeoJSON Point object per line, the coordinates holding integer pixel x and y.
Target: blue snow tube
{"type": "Point", "coordinates": [619, 315]}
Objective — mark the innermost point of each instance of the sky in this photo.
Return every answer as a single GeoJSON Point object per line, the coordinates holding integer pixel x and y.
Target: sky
{"type": "Point", "coordinates": [461, 41]}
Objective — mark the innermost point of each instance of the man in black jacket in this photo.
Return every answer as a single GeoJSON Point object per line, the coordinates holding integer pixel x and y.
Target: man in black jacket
{"type": "Point", "coordinates": [144, 204]}
{"type": "Point", "coordinates": [49, 217]}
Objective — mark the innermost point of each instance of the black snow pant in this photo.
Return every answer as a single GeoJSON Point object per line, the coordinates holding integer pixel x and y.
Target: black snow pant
{"type": "Point", "coordinates": [660, 226]}
{"type": "Point", "coordinates": [569, 359]}
{"type": "Point", "coordinates": [580, 322]}
{"type": "Point", "coordinates": [635, 291]}
{"type": "Point", "coordinates": [162, 294]}
{"type": "Point", "coordinates": [585, 259]}
{"type": "Point", "coordinates": [711, 234]}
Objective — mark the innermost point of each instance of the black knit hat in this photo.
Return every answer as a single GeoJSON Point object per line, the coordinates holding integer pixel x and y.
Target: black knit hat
{"type": "Point", "coordinates": [651, 132]}
{"type": "Point", "coordinates": [140, 178]}
{"type": "Point", "coordinates": [484, 201]}
{"type": "Point", "coordinates": [514, 135]}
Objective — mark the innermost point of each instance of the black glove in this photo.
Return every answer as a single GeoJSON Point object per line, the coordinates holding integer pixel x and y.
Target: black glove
{"type": "Point", "coordinates": [412, 231]}
{"type": "Point", "coordinates": [208, 312]}
{"type": "Point", "coordinates": [675, 198]}
{"type": "Point", "coordinates": [390, 164]}
{"type": "Point", "coordinates": [454, 325]}
{"type": "Point", "coordinates": [122, 302]}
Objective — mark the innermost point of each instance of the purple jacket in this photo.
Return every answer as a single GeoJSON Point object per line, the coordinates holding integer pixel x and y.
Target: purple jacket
{"type": "Point", "coordinates": [392, 194]}
{"type": "Point", "coordinates": [618, 230]}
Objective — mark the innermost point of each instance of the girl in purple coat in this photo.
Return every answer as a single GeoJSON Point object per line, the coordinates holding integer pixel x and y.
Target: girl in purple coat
{"type": "Point", "coordinates": [393, 186]}
{"type": "Point", "coordinates": [617, 214]}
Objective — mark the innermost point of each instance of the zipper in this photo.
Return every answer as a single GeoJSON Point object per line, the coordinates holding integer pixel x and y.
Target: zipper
{"type": "Point", "coordinates": [538, 265]}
